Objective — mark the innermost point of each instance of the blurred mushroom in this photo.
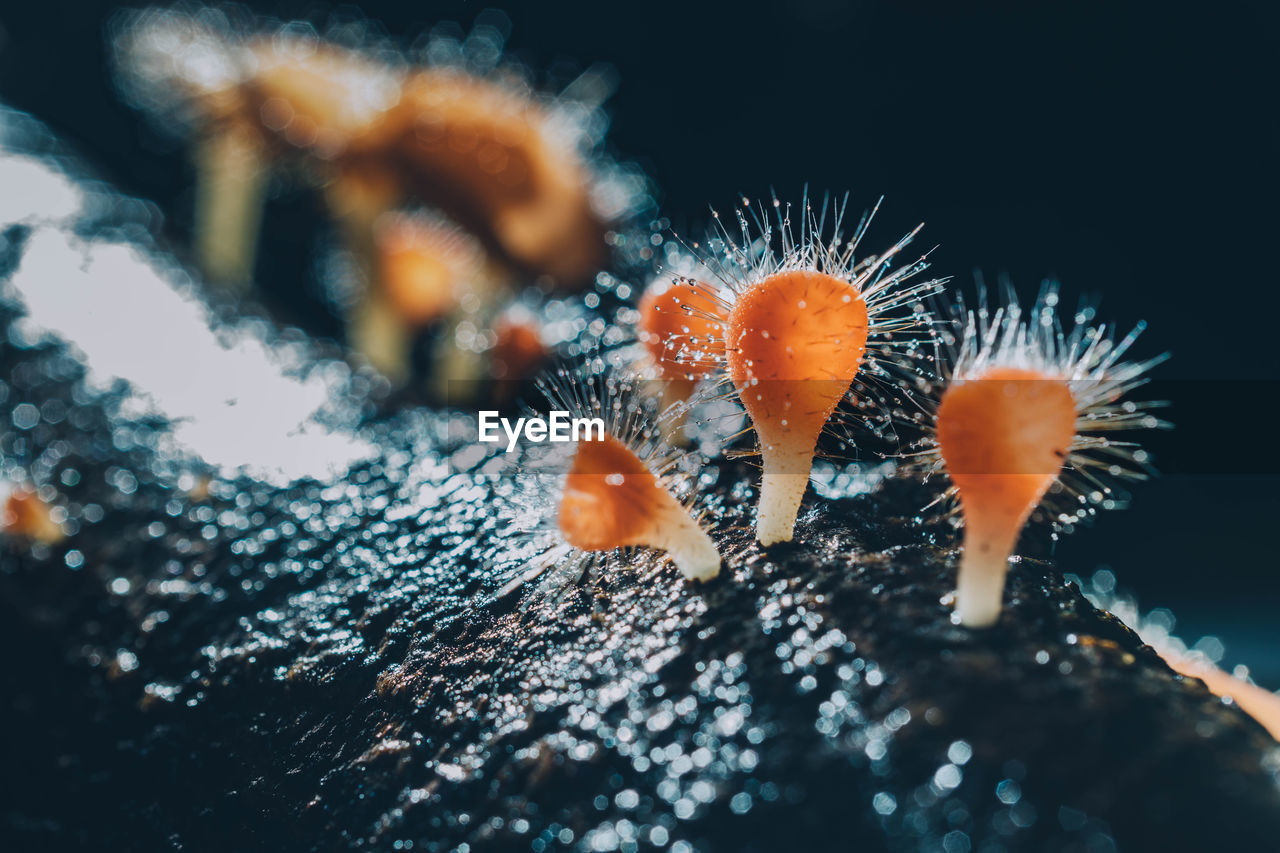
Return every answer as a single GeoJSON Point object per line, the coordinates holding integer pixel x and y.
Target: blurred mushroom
{"type": "Point", "coordinates": [27, 516]}
{"type": "Point", "coordinates": [497, 161]}
{"type": "Point", "coordinates": [507, 164]}
{"type": "Point", "coordinates": [518, 352]}
{"type": "Point", "coordinates": [421, 269]}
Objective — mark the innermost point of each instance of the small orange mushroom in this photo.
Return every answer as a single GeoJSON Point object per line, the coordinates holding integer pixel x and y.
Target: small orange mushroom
{"type": "Point", "coordinates": [795, 342]}
{"type": "Point", "coordinates": [621, 483]}
{"type": "Point", "coordinates": [612, 500]}
{"type": "Point", "coordinates": [805, 319]}
{"type": "Point", "coordinates": [1004, 435]}
{"type": "Point", "coordinates": [680, 326]}
{"type": "Point", "coordinates": [1029, 406]}
{"type": "Point", "coordinates": [423, 267]}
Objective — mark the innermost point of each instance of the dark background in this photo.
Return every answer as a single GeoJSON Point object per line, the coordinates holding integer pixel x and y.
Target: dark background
{"type": "Point", "coordinates": [1128, 149]}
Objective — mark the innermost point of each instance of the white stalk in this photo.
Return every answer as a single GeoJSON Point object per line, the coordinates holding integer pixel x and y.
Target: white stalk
{"type": "Point", "coordinates": [980, 586]}
{"type": "Point", "coordinates": [381, 336]}
{"type": "Point", "coordinates": [231, 180]}
{"type": "Point", "coordinates": [688, 546]}
{"type": "Point", "coordinates": [782, 487]}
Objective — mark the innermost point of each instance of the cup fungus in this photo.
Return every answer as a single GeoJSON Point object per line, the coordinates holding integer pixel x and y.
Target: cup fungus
{"type": "Point", "coordinates": [621, 484]}
{"type": "Point", "coordinates": [680, 323]}
{"type": "Point", "coordinates": [613, 500]}
{"type": "Point", "coordinates": [1029, 408]}
{"type": "Point", "coordinates": [805, 318]}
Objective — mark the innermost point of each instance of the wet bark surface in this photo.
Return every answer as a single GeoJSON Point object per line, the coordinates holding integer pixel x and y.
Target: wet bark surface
{"type": "Point", "coordinates": [323, 665]}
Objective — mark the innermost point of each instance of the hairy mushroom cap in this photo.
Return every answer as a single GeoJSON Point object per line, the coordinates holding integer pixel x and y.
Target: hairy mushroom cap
{"type": "Point", "coordinates": [1029, 409]}
{"type": "Point", "coordinates": [795, 342]}
{"type": "Point", "coordinates": [1004, 435]}
{"type": "Point", "coordinates": [612, 500]}
{"type": "Point", "coordinates": [805, 319]}
{"type": "Point", "coordinates": [679, 321]}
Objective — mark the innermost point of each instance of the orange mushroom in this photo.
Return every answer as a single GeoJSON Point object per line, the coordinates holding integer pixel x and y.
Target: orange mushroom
{"type": "Point", "coordinates": [1004, 435]}
{"type": "Point", "coordinates": [27, 516]}
{"type": "Point", "coordinates": [612, 500]}
{"type": "Point", "coordinates": [680, 324]}
{"type": "Point", "coordinates": [619, 484]}
{"type": "Point", "coordinates": [799, 327]}
{"type": "Point", "coordinates": [1029, 406]}
{"type": "Point", "coordinates": [423, 266]}
{"type": "Point", "coordinates": [795, 342]}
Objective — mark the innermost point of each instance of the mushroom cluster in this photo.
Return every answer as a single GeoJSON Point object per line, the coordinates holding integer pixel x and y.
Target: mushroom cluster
{"type": "Point", "coordinates": [465, 201]}
{"type": "Point", "coordinates": [450, 180]}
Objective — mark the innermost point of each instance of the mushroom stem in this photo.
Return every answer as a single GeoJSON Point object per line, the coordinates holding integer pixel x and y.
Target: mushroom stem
{"type": "Point", "coordinates": [980, 585]}
{"type": "Point", "coordinates": [782, 487]}
{"type": "Point", "coordinates": [381, 336]}
{"type": "Point", "coordinates": [688, 545]}
{"type": "Point", "coordinates": [990, 535]}
{"type": "Point", "coordinates": [231, 179]}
